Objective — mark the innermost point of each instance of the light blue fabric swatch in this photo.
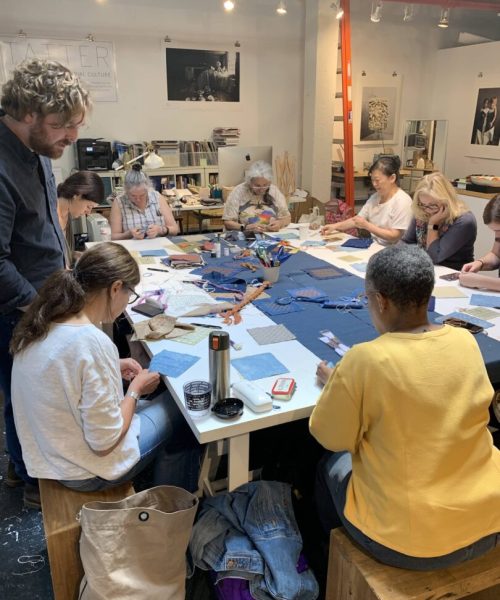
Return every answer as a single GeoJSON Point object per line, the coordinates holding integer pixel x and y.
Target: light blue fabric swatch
{"type": "Point", "coordinates": [158, 252]}
{"type": "Point", "coordinates": [172, 364]}
{"type": "Point", "coordinates": [259, 366]}
{"type": "Point", "coordinates": [361, 267]}
{"type": "Point", "coordinates": [465, 317]}
{"type": "Point", "coordinates": [485, 300]}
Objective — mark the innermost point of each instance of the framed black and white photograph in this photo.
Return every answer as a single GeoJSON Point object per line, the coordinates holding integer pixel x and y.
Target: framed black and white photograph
{"type": "Point", "coordinates": [486, 120]}
{"type": "Point", "coordinates": [376, 111]}
{"type": "Point", "coordinates": [202, 75]}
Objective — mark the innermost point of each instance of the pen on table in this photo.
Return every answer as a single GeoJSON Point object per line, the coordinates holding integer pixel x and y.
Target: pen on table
{"type": "Point", "coordinates": [206, 325]}
{"type": "Point", "coordinates": [161, 270]}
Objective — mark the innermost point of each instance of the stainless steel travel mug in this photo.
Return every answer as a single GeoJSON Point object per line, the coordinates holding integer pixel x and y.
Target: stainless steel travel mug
{"type": "Point", "coordinates": [218, 364]}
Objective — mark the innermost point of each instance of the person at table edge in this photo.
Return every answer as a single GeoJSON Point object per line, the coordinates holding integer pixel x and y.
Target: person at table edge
{"type": "Point", "coordinates": [256, 204]}
{"type": "Point", "coordinates": [387, 213]}
{"type": "Point", "coordinates": [141, 212]}
{"type": "Point", "coordinates": [442, 224]}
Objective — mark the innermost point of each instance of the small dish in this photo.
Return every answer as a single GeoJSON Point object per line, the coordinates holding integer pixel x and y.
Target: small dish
{"type": "Point", "coordinates": [228, 408]}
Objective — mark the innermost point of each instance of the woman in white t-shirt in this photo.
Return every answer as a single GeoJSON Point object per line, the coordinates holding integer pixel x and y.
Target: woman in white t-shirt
{"type": "Point", "coordinates": [75, 423]}
{"type": "Point", "coordinates": [387, 212]}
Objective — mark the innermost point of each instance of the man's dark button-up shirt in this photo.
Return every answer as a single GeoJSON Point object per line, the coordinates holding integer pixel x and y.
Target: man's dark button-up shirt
{"type": "Point", "coordinates": [31, 240]}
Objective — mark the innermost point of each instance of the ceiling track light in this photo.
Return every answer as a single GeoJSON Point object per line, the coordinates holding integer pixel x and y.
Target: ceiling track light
{"type": "Point", "coordinates": [376, 11]}
{"type": "Point", "coordinates": [228, 5]}
{"type": "Point", "coordinates": [444, 21]}
{"type": "Point", "coordinates": [22, 34]}
{"type": "Point", "coordinates": [90, 37]}
{"type": "Point", "coordinates": [281, 8]}
{"type": "Point", "coordinates": [337, 6]}
{"type": "Point", "coordinates": [409, 12]}
{"type": "Point", "coordinates": [167, 39]}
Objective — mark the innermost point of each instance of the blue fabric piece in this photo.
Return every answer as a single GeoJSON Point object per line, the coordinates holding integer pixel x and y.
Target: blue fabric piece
{"type": "Point", "coordinates": [313, 243]}
{"type": "Point", "coordinates": [361, 267]}
{"type": "Point", "coordinates": [357, 243]}
{"type": "Point", "coordinates": [251, 533]}
{"type": "Point", "coordinates": [259, 366]}
{"type": "Point", "coordinates": [271, 308]}
{"type": "Point", "coordinates": [286, 235]}
{"type": "Point", "coordinates": [172, 364]}
{"type": "Point", "coordinates": [465, 317]}
{"type": "Point", "coordinates": [352, 327]}
{"type": "Point", "coordinates": [158, 252]}
{"type": "Point", "coordinates": [308, 294]}
{"type": "Point", "coordinates": [485, 300]}
{"type": "Point", "coordinates": [326, 272]}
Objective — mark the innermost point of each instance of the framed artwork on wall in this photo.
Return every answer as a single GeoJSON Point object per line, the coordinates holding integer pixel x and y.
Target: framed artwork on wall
{"type": "Point", "coordinates": [195, 75]}
{"type": "Point", "coordinates": [485, 121]}
{"type": "Point", "coordinates": [376, 111]}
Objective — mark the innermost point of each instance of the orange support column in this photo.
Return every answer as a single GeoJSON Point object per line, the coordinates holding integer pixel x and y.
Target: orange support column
{"type": "Point", "coordinates": [345, 35]}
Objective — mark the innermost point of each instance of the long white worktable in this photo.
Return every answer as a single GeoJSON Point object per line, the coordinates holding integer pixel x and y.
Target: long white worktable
{"type": "Point", "coordinates": [299, 360]}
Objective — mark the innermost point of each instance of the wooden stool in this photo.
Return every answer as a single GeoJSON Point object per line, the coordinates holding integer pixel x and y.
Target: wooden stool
{"type": "Point", "coordinates": [354, 575]}
{"type": "Point", "coordinates": [60, 506]}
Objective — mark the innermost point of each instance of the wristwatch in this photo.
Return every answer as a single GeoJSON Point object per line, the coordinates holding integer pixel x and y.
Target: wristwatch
{"type": "Point", "coordinates": [435, 227]}
{"type": "Point", "coordinates": [134, 395]}
{"type": "Point", "coordinates": [242, 227]}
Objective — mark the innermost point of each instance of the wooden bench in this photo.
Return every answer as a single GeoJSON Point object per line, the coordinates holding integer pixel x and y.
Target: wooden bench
{"type": "Point", "coordinates": [60, 507]}
{"type": "Point", "coordinates": [354, 575]}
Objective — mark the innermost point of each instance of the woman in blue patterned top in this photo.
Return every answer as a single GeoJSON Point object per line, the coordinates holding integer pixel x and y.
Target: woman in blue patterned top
{"type": "Point", "coordinates": [141, 211]}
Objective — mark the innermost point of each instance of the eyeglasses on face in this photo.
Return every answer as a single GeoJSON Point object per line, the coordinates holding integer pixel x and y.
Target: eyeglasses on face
{"type": "Point", "coordinates": [429, 207]}
{"type": "Point", "coordinates": [133, 295]}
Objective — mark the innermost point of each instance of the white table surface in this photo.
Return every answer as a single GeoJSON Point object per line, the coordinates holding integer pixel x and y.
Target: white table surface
{"type": "Point", "coordinates": [299, 360]}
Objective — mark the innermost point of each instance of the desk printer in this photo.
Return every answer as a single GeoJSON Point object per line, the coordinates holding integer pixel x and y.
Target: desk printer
{"type": "Point", "coordinates": [96, 226]}
{"type": "Point", "coordinates": [93, 155]}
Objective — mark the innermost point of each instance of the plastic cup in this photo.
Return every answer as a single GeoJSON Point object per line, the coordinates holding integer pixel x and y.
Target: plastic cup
{"type": "Point", "coordinates": [271, 274]}
{"type": "Point", "coordinates": [304, 231]}
{"type": "Point", "coordinates": [198, 397]}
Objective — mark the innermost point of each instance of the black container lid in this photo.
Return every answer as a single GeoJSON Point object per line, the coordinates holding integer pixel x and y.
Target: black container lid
{"type": "Point", "coordinates": [218, 340]}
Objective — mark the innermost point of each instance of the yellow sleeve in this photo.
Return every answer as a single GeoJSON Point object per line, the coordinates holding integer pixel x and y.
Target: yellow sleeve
{"type": "Point", "coordinates": [336, 419]}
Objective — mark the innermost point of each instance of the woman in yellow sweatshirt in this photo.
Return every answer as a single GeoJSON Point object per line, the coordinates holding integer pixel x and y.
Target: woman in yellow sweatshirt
{"type": "Point", "coordinates": [414, 476]}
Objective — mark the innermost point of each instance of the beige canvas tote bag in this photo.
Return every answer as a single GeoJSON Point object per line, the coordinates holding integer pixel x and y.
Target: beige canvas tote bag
{"type": "Point", "coordinates": [135, 549]}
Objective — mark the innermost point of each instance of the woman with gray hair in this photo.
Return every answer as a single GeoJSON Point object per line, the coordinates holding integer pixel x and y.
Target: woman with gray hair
{"type": "Point", "coordinates": [141, 211]}
{"type": "Point", "coordinates": [413, 475]}
{"type": "Point", "coordinates": [257, 204]}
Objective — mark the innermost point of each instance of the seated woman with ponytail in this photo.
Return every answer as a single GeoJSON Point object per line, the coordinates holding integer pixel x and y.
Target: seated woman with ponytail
{"type": "Point", "coordinates": [74, 421]}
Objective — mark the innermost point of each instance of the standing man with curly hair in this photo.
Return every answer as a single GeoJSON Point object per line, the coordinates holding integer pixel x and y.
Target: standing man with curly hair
{"type": "Point", "coordinates": [43, 105]}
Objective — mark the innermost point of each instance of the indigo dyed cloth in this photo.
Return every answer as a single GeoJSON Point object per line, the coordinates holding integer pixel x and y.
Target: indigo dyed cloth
{"type": "Point", "coordinates": [251, 533]}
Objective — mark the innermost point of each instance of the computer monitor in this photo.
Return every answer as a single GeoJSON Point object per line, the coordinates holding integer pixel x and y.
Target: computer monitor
{"type": "Point", "coordinates": [235, 160]}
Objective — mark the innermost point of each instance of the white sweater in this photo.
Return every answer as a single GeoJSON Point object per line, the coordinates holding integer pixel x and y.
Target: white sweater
{"type": "Point", "coordinates": [66, 396]}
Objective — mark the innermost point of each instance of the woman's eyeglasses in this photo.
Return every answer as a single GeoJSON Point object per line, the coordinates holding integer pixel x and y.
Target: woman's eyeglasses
{"type": "Point", "coordinates": [133, 296]}
{"type": "Point", "coordinates": [430, 207]}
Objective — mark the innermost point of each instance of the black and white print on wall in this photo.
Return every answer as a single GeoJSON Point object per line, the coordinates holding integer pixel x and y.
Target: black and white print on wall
{"type": "Point", "coordinates": [202, 75]}
{"type": "Point", "coordinates": [486, 124]}
{"type": "Point", "coordinates": [376, 108]}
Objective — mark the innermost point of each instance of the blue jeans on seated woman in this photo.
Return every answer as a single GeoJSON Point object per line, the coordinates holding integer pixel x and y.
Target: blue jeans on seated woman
{"type": "Point", "coordinates": [164, 437]}
{"type": "Point", "coordinates": [332, 477]}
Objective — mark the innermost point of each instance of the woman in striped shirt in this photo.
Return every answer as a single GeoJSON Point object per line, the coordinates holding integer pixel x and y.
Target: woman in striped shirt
{"type": "Point", "coordinates": [141, 212]}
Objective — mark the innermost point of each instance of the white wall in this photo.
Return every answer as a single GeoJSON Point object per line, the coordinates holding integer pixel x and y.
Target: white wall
{"type": "Point", "coordinates": [270, 110]}
{"type": "Point", "coordinates": [454, 95]}
{"type": "Point", "coordinates": [320, 52]}
{"type": "Point", "coordinates": [382, 48]}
